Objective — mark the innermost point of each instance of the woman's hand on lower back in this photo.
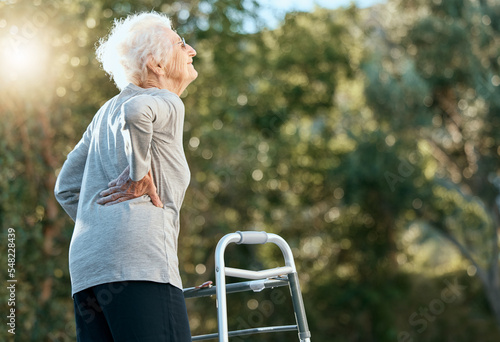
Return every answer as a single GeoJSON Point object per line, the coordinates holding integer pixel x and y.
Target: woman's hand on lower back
{"type": "Point", "coordinates": [123, 189]}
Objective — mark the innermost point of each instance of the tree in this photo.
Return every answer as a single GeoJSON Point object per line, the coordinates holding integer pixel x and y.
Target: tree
{"type": "Point", "coordinates": [433, 83]}
{"type": "Point", "coordinates": [46, 103]}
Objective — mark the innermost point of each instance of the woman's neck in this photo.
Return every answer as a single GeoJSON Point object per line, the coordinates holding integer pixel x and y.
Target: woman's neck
{"type": "Point", "coordinates": [169, 84]}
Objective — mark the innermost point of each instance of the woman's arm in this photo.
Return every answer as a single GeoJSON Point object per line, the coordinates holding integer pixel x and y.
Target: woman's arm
{"type": "Point", "coordinates": [69, 180]}
{"type": "Point", "coordinates": [142, 115]}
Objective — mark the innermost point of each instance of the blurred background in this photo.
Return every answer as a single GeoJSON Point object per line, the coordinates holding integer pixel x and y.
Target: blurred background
{"type": "Point", "coordinates": [366, 134]}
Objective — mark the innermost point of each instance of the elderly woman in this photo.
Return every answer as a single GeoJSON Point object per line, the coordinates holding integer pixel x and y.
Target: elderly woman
{"type": "Point", "coordinates": [123, 185]}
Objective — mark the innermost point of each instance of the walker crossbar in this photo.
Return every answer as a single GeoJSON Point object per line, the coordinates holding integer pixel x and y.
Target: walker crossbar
{"type": "Point", "coordinates": [256, 285]}
{"type": "Point", "coordinates": [286, 275]}
{"type": "Point", "coordinates": [236, 272]}
{"type": "Point", "coordinates": [250, 331]}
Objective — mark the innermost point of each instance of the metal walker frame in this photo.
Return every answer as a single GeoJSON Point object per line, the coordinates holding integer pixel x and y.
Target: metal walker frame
{"type": "Point", "coordinates": [268, 278]}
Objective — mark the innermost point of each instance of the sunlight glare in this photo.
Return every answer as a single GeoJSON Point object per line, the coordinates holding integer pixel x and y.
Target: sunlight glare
{"type": "Point", "coordinates": [24, 62]}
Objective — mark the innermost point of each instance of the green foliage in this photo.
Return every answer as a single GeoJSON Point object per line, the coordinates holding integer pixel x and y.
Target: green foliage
{"type": "Point", "coordinates": [368, 139]}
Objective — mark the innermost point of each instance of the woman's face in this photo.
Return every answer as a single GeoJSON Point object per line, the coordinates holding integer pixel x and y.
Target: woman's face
{"type": "Point", "coordinates": [180, 66]}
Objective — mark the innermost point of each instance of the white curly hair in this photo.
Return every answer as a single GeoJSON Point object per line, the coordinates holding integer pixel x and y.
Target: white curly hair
{"type": "Point", "coordinates": [131, 43]}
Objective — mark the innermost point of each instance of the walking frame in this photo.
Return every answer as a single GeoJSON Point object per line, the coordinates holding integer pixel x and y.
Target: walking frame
{"type": "Point", "coordinates": [268, 278]}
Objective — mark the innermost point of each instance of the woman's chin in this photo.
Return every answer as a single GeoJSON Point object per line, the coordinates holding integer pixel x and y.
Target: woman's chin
{"type": "Point", "coordinates": [194, 75]}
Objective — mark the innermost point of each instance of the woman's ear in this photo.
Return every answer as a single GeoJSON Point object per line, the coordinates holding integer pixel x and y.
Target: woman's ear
{"type": "Point", "coordinates": [155, 67]}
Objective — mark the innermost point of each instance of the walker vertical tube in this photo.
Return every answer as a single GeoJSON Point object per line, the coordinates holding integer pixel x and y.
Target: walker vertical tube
{"type": "Point", "coordinates": [220, 282]}
{"type": "Point", "coordinates": [298, 306]}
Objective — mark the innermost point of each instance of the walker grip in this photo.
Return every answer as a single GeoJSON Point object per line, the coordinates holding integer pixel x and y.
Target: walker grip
{"type": "Point", "coordinates": [252, 238]}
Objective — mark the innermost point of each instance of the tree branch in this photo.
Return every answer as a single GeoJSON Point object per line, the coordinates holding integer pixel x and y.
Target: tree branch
{"type": "Point", "coordinates": [494, 271]}
{"type": "Point", "coordinates": [465, 252]}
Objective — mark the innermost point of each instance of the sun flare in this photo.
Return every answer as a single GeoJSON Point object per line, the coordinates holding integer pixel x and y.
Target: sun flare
{"type": "Point", "coordinates": [22, 61]}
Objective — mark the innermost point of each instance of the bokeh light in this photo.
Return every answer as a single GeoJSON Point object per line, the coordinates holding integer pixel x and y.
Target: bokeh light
{"type": "Point", "coordinates": [22, 61]}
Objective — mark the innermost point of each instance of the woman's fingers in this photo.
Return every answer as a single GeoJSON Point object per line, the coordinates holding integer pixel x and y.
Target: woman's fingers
{"type": "Point", "coordinates": [106, 199]}
{"type": "Point", "coordinates": [156, 200]}
{"type": "Point", "coordinates": [110, 191]}
{"type": "Point", "coordinates": [153, 194]}
{"type": "Point", "coordinates": [114, 198]}
{"type": "Point", "coordinates": [119, 200]}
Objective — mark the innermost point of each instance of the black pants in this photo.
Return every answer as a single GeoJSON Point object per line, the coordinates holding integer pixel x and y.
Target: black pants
{"type": "Point", "coordinates": [131, 311]}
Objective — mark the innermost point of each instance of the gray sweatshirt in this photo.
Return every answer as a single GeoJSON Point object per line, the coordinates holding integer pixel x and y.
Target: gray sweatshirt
{"type": "Point", "coordinates": [132, 240]}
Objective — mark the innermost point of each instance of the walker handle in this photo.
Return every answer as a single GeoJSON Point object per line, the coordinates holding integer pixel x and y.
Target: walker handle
{"type": "Point", "coordinates": [252, 238]}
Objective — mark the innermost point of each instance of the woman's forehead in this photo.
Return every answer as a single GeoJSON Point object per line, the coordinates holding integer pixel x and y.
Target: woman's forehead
{"type": "Point", "coordinates": [172, 35]}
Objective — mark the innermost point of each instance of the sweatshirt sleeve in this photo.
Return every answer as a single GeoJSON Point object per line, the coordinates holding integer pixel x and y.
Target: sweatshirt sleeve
{"type": "Point", "coordinates": [143, 115]}
{"type": "Point", "coordinates": [69, 180]}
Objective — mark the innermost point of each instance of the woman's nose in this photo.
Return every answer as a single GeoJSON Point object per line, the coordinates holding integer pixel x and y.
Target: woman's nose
{"type": "Point", "coordinates": [191, 51]}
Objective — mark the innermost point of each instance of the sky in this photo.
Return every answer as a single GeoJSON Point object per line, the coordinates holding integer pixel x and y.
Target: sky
{"type": "Point", "coordinates": [307, 5]}
{"type": "Point", "coordinates": [274, 10]}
